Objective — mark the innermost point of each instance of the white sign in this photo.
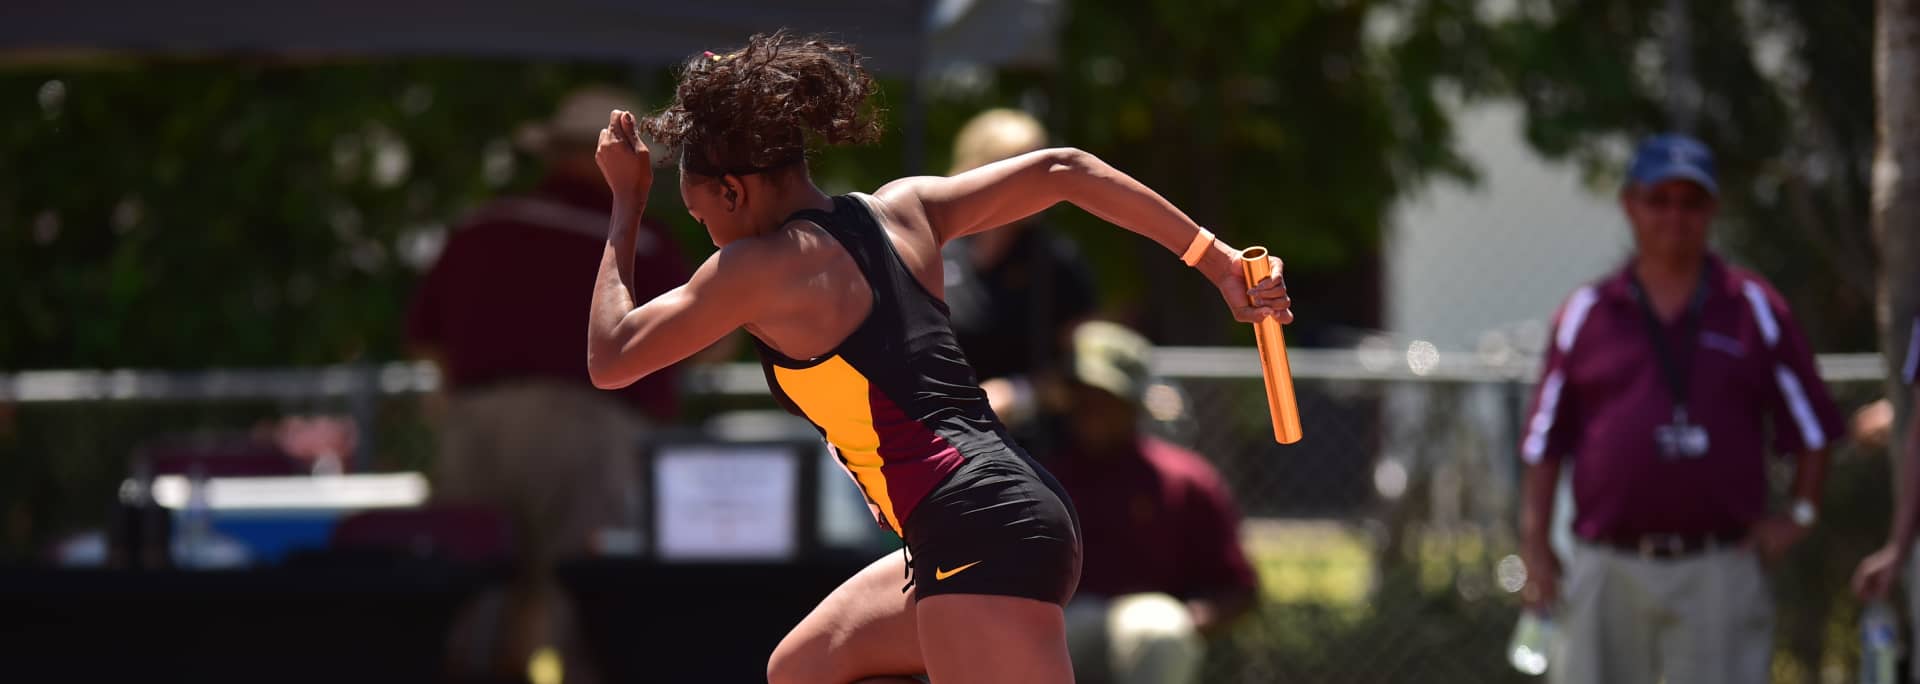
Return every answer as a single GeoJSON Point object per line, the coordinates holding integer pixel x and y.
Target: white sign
{"type": "Point", "coordinates": [726, 502]}
{"type": "Point", "coordinates": [319, 492]}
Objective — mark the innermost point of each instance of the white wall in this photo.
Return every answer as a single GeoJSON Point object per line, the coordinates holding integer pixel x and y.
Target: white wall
{"type": "Point", "coordinates": [1462, 261]}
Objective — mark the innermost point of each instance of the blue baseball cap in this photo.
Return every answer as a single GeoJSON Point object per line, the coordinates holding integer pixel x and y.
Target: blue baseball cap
{"type": "Point", "coordinates": [1673, 156]}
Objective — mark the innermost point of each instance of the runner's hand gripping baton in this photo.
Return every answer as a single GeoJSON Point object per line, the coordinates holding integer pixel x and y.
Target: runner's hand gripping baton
{"type": "Point", "coordinates": [1281, 406]}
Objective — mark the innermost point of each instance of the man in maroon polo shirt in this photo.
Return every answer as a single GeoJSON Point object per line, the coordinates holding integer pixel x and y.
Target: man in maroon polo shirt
{"type": "Point", "coordinates": [504, 314]}
{"type": "Point", "coordinates": [1661, 381]}
{"type": "Point", "coordinates": [1160, 534]}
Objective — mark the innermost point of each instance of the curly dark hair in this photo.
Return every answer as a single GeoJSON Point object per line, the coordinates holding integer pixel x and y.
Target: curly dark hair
{"type": "Point", "coordinates": [760, 107]}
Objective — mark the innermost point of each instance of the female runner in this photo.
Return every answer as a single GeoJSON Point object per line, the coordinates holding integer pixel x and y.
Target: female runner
{"type": "Point", "coordinates": [843, 297]}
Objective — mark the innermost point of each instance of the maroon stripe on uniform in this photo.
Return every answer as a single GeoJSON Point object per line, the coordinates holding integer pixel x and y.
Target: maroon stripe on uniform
{"type": "Point", "coordinates": [914, 459]}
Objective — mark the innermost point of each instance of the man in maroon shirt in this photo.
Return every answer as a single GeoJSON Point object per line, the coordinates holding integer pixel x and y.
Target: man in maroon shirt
{"type": "Point", "coordinates": [1661, 381]}
{"type": "Point", "coordinates": [1162, 561]}
{"type": "Point", "coordinates": [504, 314]}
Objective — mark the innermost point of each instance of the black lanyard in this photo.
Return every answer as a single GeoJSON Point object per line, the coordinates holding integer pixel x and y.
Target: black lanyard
{"type": "Point", "coordinates": [1670, 370]}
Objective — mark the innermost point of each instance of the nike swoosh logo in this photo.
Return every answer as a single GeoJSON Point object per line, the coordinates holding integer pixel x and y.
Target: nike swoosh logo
{"type": "Point", "coordinates": [939, 574]}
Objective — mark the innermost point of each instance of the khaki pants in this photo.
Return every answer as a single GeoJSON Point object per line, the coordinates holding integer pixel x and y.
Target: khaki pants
{"type": "Point", "coordinates": [1624, 619]}
{"type": "Point", "coordinates": [560, 460]}
{"type": "Point", "coordinates": [1133, 639]}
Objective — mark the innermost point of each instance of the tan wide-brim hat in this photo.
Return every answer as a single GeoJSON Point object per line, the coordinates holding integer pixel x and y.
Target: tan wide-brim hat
{"type": "Point", "coordinates": [577, 121]}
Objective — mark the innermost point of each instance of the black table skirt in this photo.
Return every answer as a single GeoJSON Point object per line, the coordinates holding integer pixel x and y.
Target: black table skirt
{"type": "Point", "coordinates": [642, 622]}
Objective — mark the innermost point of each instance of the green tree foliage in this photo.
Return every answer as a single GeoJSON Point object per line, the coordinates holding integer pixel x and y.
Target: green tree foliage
{"type": "Point", "coordinates": [1782, 92]}
{"type": "Point", "coordinates": [1277, 123]}
{"type": "Point", "coordinates": [181, 214]}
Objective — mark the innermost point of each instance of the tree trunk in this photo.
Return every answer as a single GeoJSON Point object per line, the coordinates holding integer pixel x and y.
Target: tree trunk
{"type": "Point", "coordinates": [1896, 190]}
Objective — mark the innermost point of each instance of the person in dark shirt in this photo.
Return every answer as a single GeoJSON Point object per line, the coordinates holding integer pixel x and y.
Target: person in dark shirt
{"type": "Point", "coordinates": [1015, 292]}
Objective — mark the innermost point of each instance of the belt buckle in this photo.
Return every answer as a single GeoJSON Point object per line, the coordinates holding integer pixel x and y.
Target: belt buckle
{"type": "Point", "coordinates": [1662, 545]}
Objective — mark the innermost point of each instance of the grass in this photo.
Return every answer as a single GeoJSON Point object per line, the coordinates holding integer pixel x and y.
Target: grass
{"type": "Point", "coordinates": [1310, 562]}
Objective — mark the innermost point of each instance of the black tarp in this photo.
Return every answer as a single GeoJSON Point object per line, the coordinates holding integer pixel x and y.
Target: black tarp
{"type": "Point", "coordinates": [899, 36]}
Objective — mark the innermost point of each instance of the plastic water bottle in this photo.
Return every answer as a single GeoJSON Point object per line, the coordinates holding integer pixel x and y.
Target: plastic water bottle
{"type": "Point", "coordinates": [142, 532]}
{"type": "Point", "coordinates": [1527, 652]}
{"type": "Point", "coordinates": [1879, 644]}
{"type": "Point", "coordinates": [197, 523]}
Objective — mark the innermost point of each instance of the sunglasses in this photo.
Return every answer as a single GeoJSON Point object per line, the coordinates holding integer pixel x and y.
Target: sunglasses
{"type": "Point", "coordinates": [1690, 201]}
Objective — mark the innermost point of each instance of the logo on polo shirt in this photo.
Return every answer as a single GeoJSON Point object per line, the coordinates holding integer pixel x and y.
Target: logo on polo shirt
{"type": "Point", "coordinates": [1723, 344]}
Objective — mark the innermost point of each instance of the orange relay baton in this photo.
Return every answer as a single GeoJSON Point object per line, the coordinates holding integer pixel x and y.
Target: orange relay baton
{"type": "Point", "coordinates": [1282, 407]}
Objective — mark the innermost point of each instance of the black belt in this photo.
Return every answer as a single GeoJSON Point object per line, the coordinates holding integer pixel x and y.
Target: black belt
{"type": "Point", "coordinates": [1671, 545]}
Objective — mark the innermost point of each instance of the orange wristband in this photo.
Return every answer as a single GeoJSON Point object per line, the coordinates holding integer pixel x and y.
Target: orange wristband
{"type": "Point", "coordinates": [1201, 241]}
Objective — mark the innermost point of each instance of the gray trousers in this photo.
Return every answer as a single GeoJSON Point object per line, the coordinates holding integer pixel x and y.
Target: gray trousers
{"type": "Point", "coordinates": [1133, 639]}
{"type": "Point", "coordinates": [560, 459]}
{"type": "Point", "coordinates": [1625, 619]}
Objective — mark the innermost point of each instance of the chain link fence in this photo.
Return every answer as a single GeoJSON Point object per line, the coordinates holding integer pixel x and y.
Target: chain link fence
{"type": "Point", "coordinates": [1385, 540]}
